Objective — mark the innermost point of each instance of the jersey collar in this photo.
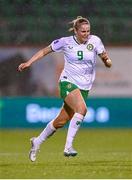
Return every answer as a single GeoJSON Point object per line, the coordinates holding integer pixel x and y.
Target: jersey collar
{"type": "Point", "coordinates": [75, 39]}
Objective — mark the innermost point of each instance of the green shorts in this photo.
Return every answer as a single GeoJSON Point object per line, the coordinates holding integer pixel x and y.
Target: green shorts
{"type": "Point", "coordinates": [66, 87]}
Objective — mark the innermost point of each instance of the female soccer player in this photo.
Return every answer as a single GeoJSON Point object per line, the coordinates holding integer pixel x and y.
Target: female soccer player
{"type": "Point", "coordinates": [80, 52]}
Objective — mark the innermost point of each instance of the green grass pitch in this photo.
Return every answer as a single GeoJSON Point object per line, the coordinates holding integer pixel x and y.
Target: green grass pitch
{"type": "Point", "coordinates": [102, 153]}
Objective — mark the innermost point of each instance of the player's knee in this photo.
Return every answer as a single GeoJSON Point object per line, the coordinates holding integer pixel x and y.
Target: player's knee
{"type": "Point", "coordinates": [82, 109]}
{"type": "Point", "coordinates": [60, 123]}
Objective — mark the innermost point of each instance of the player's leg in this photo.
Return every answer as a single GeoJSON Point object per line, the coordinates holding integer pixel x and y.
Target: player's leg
{"type": "Point", "coordinates": [75, 101]}
{"type": "Point", "coordinates": [65, 115]}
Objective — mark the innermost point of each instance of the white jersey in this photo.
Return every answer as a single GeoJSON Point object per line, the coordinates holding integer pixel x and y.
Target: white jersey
{"type": "Point", "coordinates": [80, 59]}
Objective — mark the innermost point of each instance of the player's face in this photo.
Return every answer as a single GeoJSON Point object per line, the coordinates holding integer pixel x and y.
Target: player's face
{"type": "Point", "coordinates": [82, 33]}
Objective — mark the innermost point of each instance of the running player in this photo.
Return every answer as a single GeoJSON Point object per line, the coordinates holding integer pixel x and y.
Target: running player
{"type": "Point", "coordinates": [80, 52]}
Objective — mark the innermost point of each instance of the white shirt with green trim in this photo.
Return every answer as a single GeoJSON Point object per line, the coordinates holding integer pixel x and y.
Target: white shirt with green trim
{"type": "Point", "coordinates": [80, 59]}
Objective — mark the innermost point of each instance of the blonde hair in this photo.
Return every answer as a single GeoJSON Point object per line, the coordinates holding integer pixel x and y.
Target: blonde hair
{"type": "Point", "coordinates": [76, 23]}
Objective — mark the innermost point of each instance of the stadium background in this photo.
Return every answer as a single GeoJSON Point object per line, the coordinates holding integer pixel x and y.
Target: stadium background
{"type": "Point", "coordinates": [30, 99]}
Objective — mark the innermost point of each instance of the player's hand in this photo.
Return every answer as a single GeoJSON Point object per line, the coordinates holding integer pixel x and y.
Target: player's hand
{"type": "Point", "coordinates": [108, 63]}
{"type": "Point", "coordinates": [23, 66]}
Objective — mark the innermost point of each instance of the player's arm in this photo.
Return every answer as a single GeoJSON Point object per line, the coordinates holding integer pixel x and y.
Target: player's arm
{"type": "Point", "coordinates": [105, 58]}
{"type": "Point", "coordinates": [43, 52]}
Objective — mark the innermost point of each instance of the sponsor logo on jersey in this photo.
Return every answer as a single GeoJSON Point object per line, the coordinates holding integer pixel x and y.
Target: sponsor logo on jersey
{"type": "Point", "coordinates": [70, 47]}
{"type": "Point", "coordinates": [90, 47]}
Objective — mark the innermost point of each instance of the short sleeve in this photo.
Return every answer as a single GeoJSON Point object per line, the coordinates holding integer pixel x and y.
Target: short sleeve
{"type": "Point", "coordinates": [99, 46]}
{"type": "Point", "coordinates": [57, 45]}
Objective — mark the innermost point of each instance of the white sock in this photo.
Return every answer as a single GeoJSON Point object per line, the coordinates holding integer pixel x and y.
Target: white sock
{"type": "Point", "coordinates": [47, 132]}
{"type": "Point", "coordinates": [73, 128]}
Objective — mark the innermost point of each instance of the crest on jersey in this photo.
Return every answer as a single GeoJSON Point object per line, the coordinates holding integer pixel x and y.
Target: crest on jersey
{"type": "Point", "coordinates": [90, 47]}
